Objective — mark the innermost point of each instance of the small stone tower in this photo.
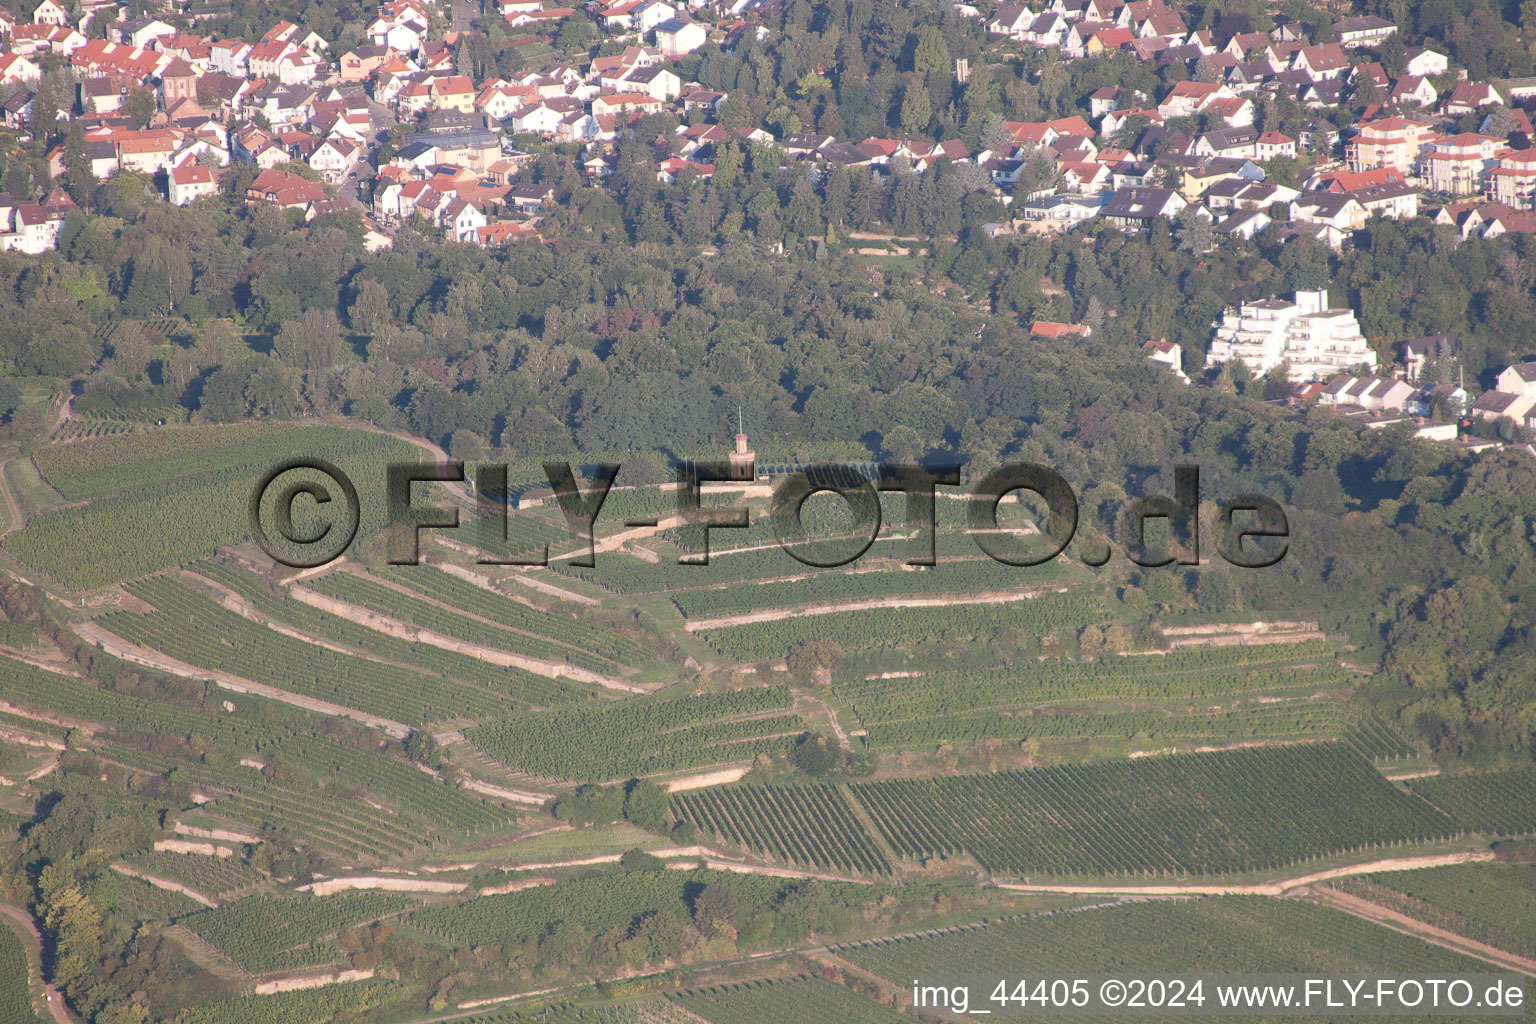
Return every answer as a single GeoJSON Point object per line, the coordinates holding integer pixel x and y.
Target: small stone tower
{"type": "Point", "coordinates": [743, 459]}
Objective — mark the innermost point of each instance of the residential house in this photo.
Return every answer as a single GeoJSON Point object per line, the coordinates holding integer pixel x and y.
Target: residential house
{"type": "Point", "coordinates": [284, 190]}
{"type": "Point", "coordinates": [190, 182]}
{"type": "Point", "coordinates": [51, 12]}
{"type": "Point", "coordinates": [1011, 20]}
{"type": "Point", "coordinates": [1394, 200]}
{"type": "Point", "coordinates": [1342, 213]}
{"type": "Point", "coordinates": [1492, 405]}
{"type": "Point", "coordinates": [1244, 224]}
{"type": "Point", "coordinates": [1319, 62]}
{"type": "Point", "coordinates": [1136, 207]}
{"type": "Point", "coordinates": [357, 65]}
{"type": "Point", "coordinates": [1420, 353]}
{"type": "Point", "coordinates": [1394, 142]}
{"type": "Point", "coordinates": [1512, 179]}
{"type": "Point", "coordinates": [1519, 379]}
{"type": "Point", "coordinates": [14, 68]}
{"type": "Point", "coordinates": [230, 57]}
{"type": "Point", "coordinates": [653, 80]}
{"type": "Point", "coordinates": [1414, 90]}
{"type": "Point", "coordinates": [1317, 137]}
{"type": "Point", "coordinates": [1469, 97]}
{"type": "Point", "coordinates": [1168, 353]}
{"type": "Point", "coordinates": [1186, 99]}
{"type": "Point", "coordinates": [677, 36]}
{"type": "Point", "coordinates": [1454, 164]}
{"type": "Point", "coordinates": [1055, 332]}
{"type": "Point", "coordinates": [1426, 62]}
{"type": "Point", "coordinates": [1366, 31]}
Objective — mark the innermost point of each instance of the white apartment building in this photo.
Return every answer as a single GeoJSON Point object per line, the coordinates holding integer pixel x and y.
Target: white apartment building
{"type": "Point", "coordinates": [1315, 341]}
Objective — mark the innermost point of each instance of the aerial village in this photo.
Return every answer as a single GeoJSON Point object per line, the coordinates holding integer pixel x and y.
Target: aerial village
{"type": "Point", "coordinates": [398, 129]}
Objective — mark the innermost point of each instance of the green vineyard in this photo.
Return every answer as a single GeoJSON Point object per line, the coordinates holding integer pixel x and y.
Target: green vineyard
{"type": "Point", "coordinates": [196, 630]}
{"type": "Point", "coordinates": [1499, 803]}
{"type": "Point", "coordinates": [15, 993]}
{"type": "Point", "coordinates": [1195, 814]}
{"type": "Point", "coordinates": [125, 534]}
{"type": "Point", "coordinates": [801, 1001]}
{"type": "Point", "coordinates": [268, 933]}
{"type": "Point", "coordinates": [879, 628]}
{"type": "Point", "coordinates": [1489, 903]}
{"type": "Point", "coordinates": [504, 624]}
{"type": "Point", "coordinates": [1067, 698]}
{"type": "Point", "coordinates": [643, 737]}
{"type": "Point", "coordinates": [804, 826]}
{"type": "Point", "coordinates": [276, 603]}
{"type": "Point", "coordinates": [373, 808]}
{"type": "Point", "coordinates": [1231, 933]}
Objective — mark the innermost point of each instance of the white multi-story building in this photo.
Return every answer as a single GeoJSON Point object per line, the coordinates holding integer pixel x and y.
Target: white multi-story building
{"type": "Point", "coordinates": [1316, 342]}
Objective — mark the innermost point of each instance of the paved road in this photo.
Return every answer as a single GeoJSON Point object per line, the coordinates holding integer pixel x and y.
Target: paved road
{"type": "Point", "coordinates": [465, 13]}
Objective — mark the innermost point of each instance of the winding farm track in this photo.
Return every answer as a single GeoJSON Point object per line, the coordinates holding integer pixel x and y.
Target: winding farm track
{"type": "Point", "coordinates": [1277, 887]}
{"type": "Point", "coordinates": [1388, 918]}
{"type": "Point", "coordinates": [34, 947]}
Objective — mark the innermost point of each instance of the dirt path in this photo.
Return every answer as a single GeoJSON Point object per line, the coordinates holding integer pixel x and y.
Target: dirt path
{"type": "Point", "coordinates": [1377, 914]}
{"type": "Point", "coordinates": [534, 583]}
{"type": "Point", "coordinates": [1278, 887]}
{"type": "Point", "coordinates": [13, 517]}
{"type": "Point", "coordinates": [514, 795]}
{"type": "Point", "coordinates": [52, 1003]}
{"type": "Point", "coordinates": [831, 608]}
{"type": "Point", "coordinates": [837, 728]}
{"type": "Point", "coordinates": [64, 413]}
{"type": "Point", "coordinates": [460, 491]}
{"type": "Point", "coordinates": [394, 627]}
{"type": "Point", "coordinates": [118, 647]}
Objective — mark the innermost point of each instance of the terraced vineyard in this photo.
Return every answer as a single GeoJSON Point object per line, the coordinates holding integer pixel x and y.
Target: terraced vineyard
{"type": "Point", "coordinates": [373, 808]}
{"type": "Point", "coordinates": [595, 902]}
{"type": "Point", "coordinates": [269, 933]}
{"type": "Point", "coordinates": [77, 699]}
{"type": "Point", "coordinates": [644, 737]}
{"type": "Point", "coordinates": [1499, 803]}
{"type": "Point", "coordinates": [280, 607]}
{"type": "Point", "coordinates": [978, 575]}
{"type": "Point", "coordinates": [218, 878]}
{"type": "Point", "coordinates": [1194, 814]}
{"type": "Point", "coordinates": [372, 594]}
{"type": "Point", "coordinates": [142, 482]}
{"type": "Point", "coordinates": [308, 1006]}
{"type": "Point", "coordinates": [196, 630]}
{"type": "Point", "coordinates": [885, 628]}
{"type": "Point", "coordinates": [1489, 903]}
{"type": "Point", "coordinates": [145, 902]}
{"type": "Point", "coordinates": [803, 826]}
{"type": "Point", "coordinates": [1065, 698]}
{"type": "Point", "coordinates": [801, 1001]}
